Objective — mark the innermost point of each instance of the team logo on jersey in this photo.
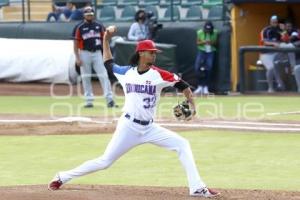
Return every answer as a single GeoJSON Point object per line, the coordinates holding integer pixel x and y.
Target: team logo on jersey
{"type": "Point", "coordinates": [90, 34]}
{"type": "Point", "coordinates": [136, 88]}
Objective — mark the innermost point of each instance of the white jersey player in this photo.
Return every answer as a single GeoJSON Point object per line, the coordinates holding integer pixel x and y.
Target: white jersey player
{"type": "Point", "coordinates": [142, 84]}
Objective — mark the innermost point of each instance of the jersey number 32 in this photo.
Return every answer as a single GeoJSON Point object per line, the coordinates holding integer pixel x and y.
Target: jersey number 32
{"type": "Point", "coordinates": [150, 102]}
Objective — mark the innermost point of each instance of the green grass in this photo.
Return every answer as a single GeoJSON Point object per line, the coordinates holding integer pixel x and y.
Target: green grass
{"type": "Point", "coordinates": [228, 107]}
{"type": "Point", "coordinates": [44, 105]}
{"type": "Point", "coordinates": [225, 160]}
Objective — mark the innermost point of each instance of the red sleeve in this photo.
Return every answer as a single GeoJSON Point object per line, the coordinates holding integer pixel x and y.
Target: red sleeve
{"type": "Point", "coordinates": [77, 34]}
{"type": "Point", "coordinates": [261, 38]}
{"type": "Point", "coordinates": [79, 38]}
{"type": "Point", "coordinates": [166, 76]}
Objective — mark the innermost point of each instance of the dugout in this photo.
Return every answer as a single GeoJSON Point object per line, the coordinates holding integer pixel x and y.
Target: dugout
{"type": "Point", "coordinates": [248, 18]}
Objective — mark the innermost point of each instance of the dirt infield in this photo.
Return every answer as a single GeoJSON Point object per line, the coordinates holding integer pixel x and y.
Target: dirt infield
{"type": "Point", "coordinates": [11, 124]}
{"type": "Point", "coordinates": [106, 192]}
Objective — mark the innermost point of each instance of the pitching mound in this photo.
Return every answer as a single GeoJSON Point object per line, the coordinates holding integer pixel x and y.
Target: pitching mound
{"type": "Point", "coordinates": [92, 192]}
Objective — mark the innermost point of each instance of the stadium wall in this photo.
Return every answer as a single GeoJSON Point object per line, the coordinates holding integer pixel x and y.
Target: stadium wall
{"type": "Point", "coordinates": [182, 34]}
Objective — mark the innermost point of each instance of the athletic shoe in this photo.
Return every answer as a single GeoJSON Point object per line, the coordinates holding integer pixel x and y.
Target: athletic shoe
{"type": "Point", "coordinates": [280, 88]}
{"type": "Point", "coordinates": [270, 90]}
{"type": "Point", "coordinates": [112, 104]}
{"type": "Point", "coordinates": [205, 90]}
{"type": "Point", "coordinates": [198, 90]}
{"type": "Point", "coordinates": [205, 192]}
{"type": "Point", "coordinates": [55, 183]}
{"type": "Point", "coordinates": [89, 105]}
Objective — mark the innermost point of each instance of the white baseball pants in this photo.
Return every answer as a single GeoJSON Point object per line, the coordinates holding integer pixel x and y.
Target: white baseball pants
{"type": "Point", "coordinates": [129, 134]}
{"type": "Point", "coordinates": [268, 61]}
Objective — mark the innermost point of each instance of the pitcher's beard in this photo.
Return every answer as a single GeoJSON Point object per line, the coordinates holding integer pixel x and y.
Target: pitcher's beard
{"type": "Point", "coordinates": [149, 64]}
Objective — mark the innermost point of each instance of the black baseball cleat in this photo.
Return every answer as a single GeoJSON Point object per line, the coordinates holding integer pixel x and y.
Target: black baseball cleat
{"type": "Point", "coordinates": [112, 104]}
{"type": "Point", "coordinates": [89, 105]}
{"type": "Point", "coordinates": [280, 88]}
{"type": "Point", "coordinates": [205, 192]}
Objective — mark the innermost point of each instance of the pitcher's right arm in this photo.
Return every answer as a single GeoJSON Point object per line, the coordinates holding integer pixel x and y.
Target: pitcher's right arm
{"type": "Point", "coordinates": [106, 38]}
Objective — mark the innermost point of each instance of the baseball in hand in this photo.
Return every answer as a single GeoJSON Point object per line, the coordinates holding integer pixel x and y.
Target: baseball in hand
{"type": "Point", "coordinates": [111, 29]}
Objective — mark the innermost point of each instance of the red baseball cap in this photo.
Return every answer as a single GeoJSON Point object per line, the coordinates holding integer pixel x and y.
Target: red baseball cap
{"type": "Point", "coordinates": [146, 45]}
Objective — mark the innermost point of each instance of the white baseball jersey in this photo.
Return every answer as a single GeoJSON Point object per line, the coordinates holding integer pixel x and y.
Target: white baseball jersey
{"type": "Point", "coordinates": [142, 91]}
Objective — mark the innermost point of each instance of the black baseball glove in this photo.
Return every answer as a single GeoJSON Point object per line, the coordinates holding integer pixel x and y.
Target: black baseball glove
{"type": "Point", "coordinates": [183, 112]}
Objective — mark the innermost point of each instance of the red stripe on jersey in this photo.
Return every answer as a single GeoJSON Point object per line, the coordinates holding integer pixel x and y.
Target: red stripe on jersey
{"type": "Point", "coordinates": [79, 38]}
{"type": "Point", "coordinates": [166, 76]}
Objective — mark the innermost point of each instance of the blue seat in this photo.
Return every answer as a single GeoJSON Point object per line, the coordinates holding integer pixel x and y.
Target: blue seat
{"type": "Point", "coordinates": [152, 9]}
{"type": "Point", "coordinates": [211, 3]}
{"type": "Point", "coordinates": [143, 3]}
{"type": "Point", "coordinates": [215, 12]}
{"type": "Point", "coordinates": [193, 13]}
{"type": "Point", "coordinates": [123, 3]}
{"type": "Point", "coordinates": [106, 13]}
{"type": "Point", "coordinates": [128, 13]}
{"type": "Point", "coordinates": [108, 3]}
{"type": "Point", "coordinates": [4, 3]}
{"type": "Point", "coordinates": [167, 16]}
{"type": "Point", "coordinates": [167, 3]}
{"type": "Point", "coordinates": [189, 3]}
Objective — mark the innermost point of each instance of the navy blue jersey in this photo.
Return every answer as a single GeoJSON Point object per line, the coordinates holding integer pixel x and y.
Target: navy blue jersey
{"type": "Point", "coordinates": [89, 35]}
{"type": "Point", "coordinates": [272, 34]}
